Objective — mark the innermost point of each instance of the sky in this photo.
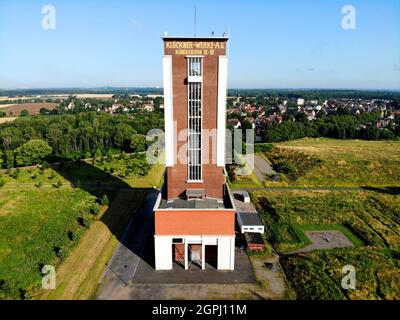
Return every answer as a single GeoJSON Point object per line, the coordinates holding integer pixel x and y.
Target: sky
{"type": "Point", "coordinates": [273, 44]}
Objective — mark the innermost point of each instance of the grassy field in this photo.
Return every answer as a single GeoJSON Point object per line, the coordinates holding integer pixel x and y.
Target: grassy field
{"type": "Point", "coordinates": [318, 275]}
{"type": "Point", "coordinates": [343, 162]}
{"type": "Point", "coordinates": [52, 216]}
{"type": "Point", "coordinates": [371, 221]}
{"type": "Point", "coordinates": [36, 229]}
{"type": "Point", "coordinates": [131, 171]}
{"type": "Point", "coordinates": [94, 250]}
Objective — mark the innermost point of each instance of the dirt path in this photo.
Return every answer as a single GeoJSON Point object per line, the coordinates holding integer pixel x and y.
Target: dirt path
{"type": "Point", "coordinates": [272, 281]}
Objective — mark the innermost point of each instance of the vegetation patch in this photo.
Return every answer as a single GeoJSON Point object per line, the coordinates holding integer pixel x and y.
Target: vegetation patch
{"type": "Point", "coordinates": [371, 221]}
{"type": "Point", "coordinates": [326, 162]}
{"type": "Point", "coordinates": [372, 218]}
{"type": "Point", "coordinates": [293, 164]}
{"type": "Point", "coordinates": [318, 275]}
{"type": "Point", "coordinates": [39, 229]}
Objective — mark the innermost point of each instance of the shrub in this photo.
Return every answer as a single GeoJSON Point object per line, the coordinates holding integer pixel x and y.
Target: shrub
{"type": "Point", "coordinates": [38, 184]}
{"type": "Point", "coordinates": [294, 164]}
{"type": "Point", "coordinates": [263, 147]}
{"type": "Point", "coordinates": [58, 184]}
{"type": "Point", "coordinates": [24, 113]}
{"type": "Point", "coordinates": [45, 165]}
{"type": "Point", "coordinates": [14, 173]}
{"type": "Point", "coordinates": [104, 200]}
{"type": "Point", "coordinates": [71, 235]}
{"type": "Point", "coordinates": [94, 209]}
{"type": "Point", "coordinates": [86, 222]}
{"type": "Point", "coordinates": [287, 168]}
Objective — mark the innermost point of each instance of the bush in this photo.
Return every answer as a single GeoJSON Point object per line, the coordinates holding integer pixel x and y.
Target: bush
{"type": "Point", "coordinates": [58, 184]}
{"type": "Point", "coordinates": [94, 209]}
{"type": "Point", "coordinates": [104, 201]}
{"type": "Point", "coordinates": [71, 235]}
{"type": "Point", "coordinates": [38, 184]}
{"type": "Point", "coordinates": [14, 173]}
{"type": "Point", "coordinates": [2, 182]}
{"type": "Point", "coordinates": [45, 165]}
{"type": "Point", "coordinates": [292, 163]}
{"type": "Point", "coordinates": [263, 147]}
{"type": "Point", "coordinates": [287, 168]}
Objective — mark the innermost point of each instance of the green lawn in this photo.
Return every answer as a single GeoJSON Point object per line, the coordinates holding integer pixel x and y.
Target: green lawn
{"type": "Point", "coordinates": [345, 163]}
{"type": "Point", "coordinates": [371, 220]}
{"type": "Point", "coordinates": [246, 181]}
{"type": "Point", "coordinates": [301, 228]}
{"type": "Point", "coordinates": [38, 228]}
{"type": "Point", "coordinates": [44, 213]}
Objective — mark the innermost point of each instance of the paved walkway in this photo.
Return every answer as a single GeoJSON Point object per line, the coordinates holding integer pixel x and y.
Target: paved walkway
{"type": "Point", "coordinates": [262, 168]}
{"type": "Point", "coordinates": [327, 239]}
{"type": "Point", "coordinates": [123, 265]}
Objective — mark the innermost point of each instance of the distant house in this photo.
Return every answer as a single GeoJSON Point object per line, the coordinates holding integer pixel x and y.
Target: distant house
{"type": "Point", "coordinates": [282, 108]}
{"type": "Point", "coordinates": [149, 107]}
{"type": "Point", "coordinates": [310, 115]}
{"type": "Point", "coordinates": [383, 123]}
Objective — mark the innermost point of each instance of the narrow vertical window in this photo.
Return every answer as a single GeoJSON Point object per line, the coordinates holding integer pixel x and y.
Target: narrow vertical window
{"type": "Point", "coordinates": [194, 118]}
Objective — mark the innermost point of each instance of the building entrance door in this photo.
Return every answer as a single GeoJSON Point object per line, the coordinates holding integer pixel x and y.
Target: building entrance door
{"type": "Point", "coordinates": [194, 254]}
{"type": "Point", "coordinates": [211, 256]}
{"type": "Point", "coordinates": [178, 253]}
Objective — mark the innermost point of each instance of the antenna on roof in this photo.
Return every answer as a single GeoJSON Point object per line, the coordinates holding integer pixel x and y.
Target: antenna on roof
{"type": "Point", "coordinates": [195, 20]}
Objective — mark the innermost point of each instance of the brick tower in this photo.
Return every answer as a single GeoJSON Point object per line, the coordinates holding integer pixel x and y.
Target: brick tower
{"type": "Point", "coordinates": [194, 214]}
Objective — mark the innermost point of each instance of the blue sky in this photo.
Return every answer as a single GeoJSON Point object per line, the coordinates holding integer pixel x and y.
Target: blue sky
{"type": "Point", "coordinates": [273, 44]}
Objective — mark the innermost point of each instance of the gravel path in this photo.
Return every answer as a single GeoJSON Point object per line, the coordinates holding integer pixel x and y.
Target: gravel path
{"type": "Point", "coordinates": [262, 168]}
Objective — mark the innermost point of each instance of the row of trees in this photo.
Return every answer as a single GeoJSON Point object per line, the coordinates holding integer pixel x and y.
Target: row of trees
{"type": "Point", "coordinates": [337, 126]}
{"type": "Point", "coordinates": [73, 136]}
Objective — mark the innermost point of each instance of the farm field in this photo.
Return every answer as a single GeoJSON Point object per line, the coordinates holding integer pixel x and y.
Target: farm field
{"type": "Point", "coordinates": [33, 108]}
{"type": "Point", "coordinates": [342, 163]}
{"type": "Point", "coordinates": [370, 220]}
{"type": "Point", "coordinates": [7, 119]}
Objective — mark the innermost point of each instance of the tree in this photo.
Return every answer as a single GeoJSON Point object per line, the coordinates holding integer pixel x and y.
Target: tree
{"type": "Point", "coordinates": [138, 142]}
{"type": "Point", "coordinates": [97, 154]}
{"type": "Point", "coordinates": [32, 152]}
{"type": "Point", "coordinates": [9, 159]}
{"type": "Point", "coordinates": [24, 113]}
{"type": "Point", "coordinates": [44, 111]}
{"type": "Point", "coordinates": [104, 200]}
